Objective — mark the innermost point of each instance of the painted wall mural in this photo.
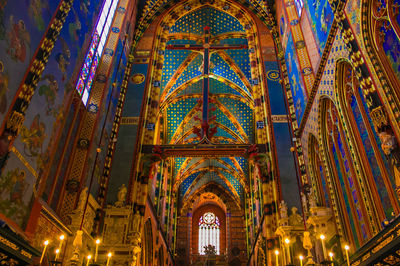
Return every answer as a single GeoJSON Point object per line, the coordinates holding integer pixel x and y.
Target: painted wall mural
{"type": "Point", "coordinates": [321, 18]}
{"type": "Point", "coordinates": [295, 79]}
{"type": "Point", "coordinates": [22, 25]}
{"type": "Point", "coordinates": [35, 146]}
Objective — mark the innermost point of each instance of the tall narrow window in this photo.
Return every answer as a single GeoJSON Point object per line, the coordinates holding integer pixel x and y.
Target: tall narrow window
{"type": "Point", "coordinates": [208, 232]}
{"type": "Point", "coordinates": [96, 47]}
{"type": "Point", "coordinates": [299, 6]}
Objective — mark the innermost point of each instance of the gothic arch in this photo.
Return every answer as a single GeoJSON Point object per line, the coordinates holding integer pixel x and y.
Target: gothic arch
{"type": "Point", "coordinates": [364, 141]}
{"type": "Point", "coordinates": [317, 172]}
{"type": "Point", "coordinates": [347, 204]}
{"type": "Point", "coordinates": [148, 241]}
{"type": "Point", "coordinates": [379, 23]}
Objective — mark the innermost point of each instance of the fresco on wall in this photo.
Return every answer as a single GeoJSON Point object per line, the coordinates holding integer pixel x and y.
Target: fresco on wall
{"type": "Point", "coordinates": [296, 81]}
{"type": "Point", "coordinates": [22, 25]}
{"type": "Point", "coordinates": [16, 188]}
{"type": "Point", "coordinates": [45, 115]}
{"type": "Point", "coordinates": [321, 18]}
{"type": "Point", "coordinates": [353, 12]}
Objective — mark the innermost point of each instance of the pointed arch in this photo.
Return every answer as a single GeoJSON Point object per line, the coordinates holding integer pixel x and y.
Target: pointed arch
{"type": "Point", "coordinates": [317, 172]}
{"type": "Point", "coordinates": [364, 140]}
{"type": "Point", "coordinates": [147, 251]}
{"type": "Point", "coordinates": [381, 34]}
{"type": "Point", "coordinates": [351, 214]}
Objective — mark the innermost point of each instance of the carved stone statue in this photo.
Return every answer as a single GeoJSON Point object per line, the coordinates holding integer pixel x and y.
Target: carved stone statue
{"type": "Point", "coordinates": [82, 199]}
{"type": "Point", "coordinates": [121, 195]}
{"type": "Point", "coordinates": [392, 152]}
{"type": "Point", "coordinates": [136, 250]}
{"type": "Point", "coordinates": [388, 142]}
{"type": "Point", "coordinates": [304, 201]}
{"type": "Point", "coordinates": [313, 200]}
{"type": "Point", "coordinates": [136, 222]}
{"type": "Point", "coordinates": [283, 209]}
{"type": "Point", "coordinates": [264, 164]}
{"type": "Point", "coordinates": [149, 160]}
{"type": "Point", "coordinates": [295, 218]}
{"type": "Point", "coordinates": [307, 244]}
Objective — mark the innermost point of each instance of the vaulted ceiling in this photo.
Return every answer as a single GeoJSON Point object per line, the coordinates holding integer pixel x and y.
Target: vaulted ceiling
{"type": "Point", "coordinates": [231, 101]}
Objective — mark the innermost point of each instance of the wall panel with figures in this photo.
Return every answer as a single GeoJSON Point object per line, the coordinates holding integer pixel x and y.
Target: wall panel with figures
{"type": "Point", "coordinates": [45, 116]}
{"type": "Point", "coordinates": [321, 17]}
{"type": "Point", "coordinates": [296, 81]}
{"type": "Point", "coordinates": [34, 146]}
{"type": "Point", "coordinates": [22, 25]}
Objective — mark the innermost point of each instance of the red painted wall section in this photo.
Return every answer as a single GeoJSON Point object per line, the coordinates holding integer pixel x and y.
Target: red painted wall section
{"type": "Point", "coordinates": [310, 42]}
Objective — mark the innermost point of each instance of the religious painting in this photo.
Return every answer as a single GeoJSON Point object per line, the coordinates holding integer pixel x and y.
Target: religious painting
{"type": "Point", "coordinates": [17, 187]}
{"type": "Point", "coordinates": [321, 17]}
{"type": "Point", "coordinates": [295, 78]}
{"type": "Point", "coordinates": [22, 25]}
{"type": "Point", "coordinates": [353, 12]}
{"type": "Point", "coordinates": [45, 115]}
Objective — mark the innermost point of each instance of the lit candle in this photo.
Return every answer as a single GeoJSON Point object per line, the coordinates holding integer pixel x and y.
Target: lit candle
{"type": "Point", "coordinates": [322, 237]}
{"type": "Point", "coordinates": [277, 258]}
{"type": "Point", "coordinates": [44, 250]}
{"type": "Point", "coordinates": [60, 246]}
{"type": "Point", "coordinates": [88, 259]}
{"type": "Point", "coordinates": [287, 242]}
{"type": "Point", "coordinates": [346, 247]}
{"type": "Point", "coordinates": [108, 257]}
{"type": "Point", "coordinates": [57, 252]}
{"type": "Point", "coordinates": [61, 241]}
{"type": "Point", "coordinates": [331, 257]}
{"type": "Point", "coordinates": [97, 249]}
{"type": "Point", "coordinates": [301, 260]}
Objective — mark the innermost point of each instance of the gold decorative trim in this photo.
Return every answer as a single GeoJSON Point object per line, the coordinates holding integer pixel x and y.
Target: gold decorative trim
{"type": "Point", "coordinates": [24, 161]}
{"type": "Point", "coordinates": [130, 120]}
{"type": "Point", "coordinates": [279, 118]}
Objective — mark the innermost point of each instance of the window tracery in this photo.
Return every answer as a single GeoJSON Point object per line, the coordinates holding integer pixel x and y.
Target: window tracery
{"type": "Point", "coordinates": [209, 232]}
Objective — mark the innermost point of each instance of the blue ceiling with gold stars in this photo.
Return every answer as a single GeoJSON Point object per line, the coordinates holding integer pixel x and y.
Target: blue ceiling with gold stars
{"type": "Point", "coordinates": [231, 105]}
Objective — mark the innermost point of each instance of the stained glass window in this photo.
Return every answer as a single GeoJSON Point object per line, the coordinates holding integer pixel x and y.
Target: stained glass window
{"type": "Point", "coordinates": [95, 50]}
{"type": "Point", "coordinates": [299, 6]}
{"type": "Point", "coordinates": [208, 232]}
